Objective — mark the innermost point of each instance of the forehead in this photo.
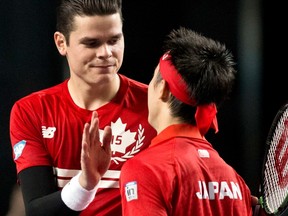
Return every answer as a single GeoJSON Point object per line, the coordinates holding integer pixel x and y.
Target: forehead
{"type": "Point", "coordinates": [156, 71]}
{"type": "Point", "coordinates": [97, 26]}
{"type": "Point", "coordinates": [155, 74]}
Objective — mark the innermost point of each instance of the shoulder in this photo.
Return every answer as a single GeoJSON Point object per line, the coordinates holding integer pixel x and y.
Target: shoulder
{"type": "Point", "coordinates": [35, 102]}
{"type": "Point", "coordinates": [131, 83]}
{"type": "Point", "coordinates": [135, 166]}
{"type": "Point", "coordinates": [133, 94]}
{"type": "Point", "coordinates": [37, 97]}
{"type": "Point", "coordinates": [144, 171]}
{"type": "Point", "coordinates": [144, 162]}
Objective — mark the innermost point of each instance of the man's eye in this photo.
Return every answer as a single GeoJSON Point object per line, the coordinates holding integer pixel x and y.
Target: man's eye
{"type": "Point", "coordinates": [114, 41]}
{"type": "Point", "coordinates": [91, 44]}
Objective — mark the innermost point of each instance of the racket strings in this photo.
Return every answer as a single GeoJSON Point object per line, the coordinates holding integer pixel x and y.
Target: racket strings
{"type": "Point", "coordinates": [275, 179]}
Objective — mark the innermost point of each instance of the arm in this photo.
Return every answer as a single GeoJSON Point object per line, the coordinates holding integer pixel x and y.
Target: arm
{"type": "Point", "coordinates": [95, 155]}
{"type": "Point", "coordinates": [140, 189]}
{"type": "Point", "coordinates": [40, 191]}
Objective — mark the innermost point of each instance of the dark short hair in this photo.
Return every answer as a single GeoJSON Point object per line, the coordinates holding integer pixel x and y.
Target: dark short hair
{"type": "Point", "coordinates": [68, 9]}
{"type": "Point", "coordinates": [205, 65]}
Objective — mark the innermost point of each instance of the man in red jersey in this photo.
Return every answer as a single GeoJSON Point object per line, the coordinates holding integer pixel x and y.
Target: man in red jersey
{"type": "Point", "coordinates": [180, 174]}
{"type": "Point", "coordinates": [54, 132]}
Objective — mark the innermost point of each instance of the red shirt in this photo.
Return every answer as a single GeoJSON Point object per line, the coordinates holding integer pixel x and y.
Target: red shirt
{"type": "Point", "coordinates": [46, 129]}
{"type": "Point", "coordinates": [180, 174]}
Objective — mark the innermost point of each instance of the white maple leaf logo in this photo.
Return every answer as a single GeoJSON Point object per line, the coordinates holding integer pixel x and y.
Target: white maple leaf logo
{"type": "Point", "coordinates": [121, 139]}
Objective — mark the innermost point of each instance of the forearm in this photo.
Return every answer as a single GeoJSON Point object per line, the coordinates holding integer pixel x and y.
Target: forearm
{"type": "Point", "coordinates": [40, 193]}
{"type": "Point", "coordinates": [49, 205]}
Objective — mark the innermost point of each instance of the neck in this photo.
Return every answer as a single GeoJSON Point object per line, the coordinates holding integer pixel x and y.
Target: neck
{"type": "Point", "coordinates": [163, 119]}
{"type": "Point", "coordinates": [91, 96]}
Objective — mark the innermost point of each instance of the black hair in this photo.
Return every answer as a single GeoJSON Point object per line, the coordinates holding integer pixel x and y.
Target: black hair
{"type": "Point", "coordinates": [68, 9]}
{"type": "Point", "coordinates": [206, 66]}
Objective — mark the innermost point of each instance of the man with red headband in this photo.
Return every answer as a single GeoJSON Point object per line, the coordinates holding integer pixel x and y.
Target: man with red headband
{"type": "Point", "coordinates": [180, 173]}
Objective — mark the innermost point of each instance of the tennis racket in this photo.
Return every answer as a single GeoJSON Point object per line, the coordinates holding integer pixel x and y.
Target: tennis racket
{"type": "Point", "coordinates": [274, 185]}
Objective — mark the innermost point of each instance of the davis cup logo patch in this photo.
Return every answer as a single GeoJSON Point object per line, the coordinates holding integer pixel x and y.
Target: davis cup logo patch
{"type": "Point", "coordinates": [18, 149]}
{"type": "Point", "coordinates": [131, 192]}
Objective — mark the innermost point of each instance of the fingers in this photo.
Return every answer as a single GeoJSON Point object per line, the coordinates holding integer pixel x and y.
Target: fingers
{"type": "Point", "coordinates": [94, 127]}
{"type": "Point", "coordinates": [85, 137]}
{"type": "Point", "coordinates": [91, 134]}
{"type": "Point", "coordinates": [107, 136]}
{"type": "Point", "coordinates": [254, 200]}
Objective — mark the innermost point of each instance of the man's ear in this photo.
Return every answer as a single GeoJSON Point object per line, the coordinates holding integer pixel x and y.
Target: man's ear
{"type": "Point", "coordinates": [164, 90]}
{"type": "Point", "coordinates": [60, 42]}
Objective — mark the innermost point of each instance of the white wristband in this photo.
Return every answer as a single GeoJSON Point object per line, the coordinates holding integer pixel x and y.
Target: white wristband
{"type": "Point", "coordinates": [75, 196]}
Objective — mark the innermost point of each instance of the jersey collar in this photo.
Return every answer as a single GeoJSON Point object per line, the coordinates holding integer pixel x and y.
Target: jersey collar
{"type": "Point", "coordinates": [177, 130]}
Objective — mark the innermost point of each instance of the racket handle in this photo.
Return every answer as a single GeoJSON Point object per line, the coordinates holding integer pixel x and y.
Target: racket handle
{"type": "Point", "coordinates": [285, 213]}
{"type": "Point", "coordinates": [259, 211]}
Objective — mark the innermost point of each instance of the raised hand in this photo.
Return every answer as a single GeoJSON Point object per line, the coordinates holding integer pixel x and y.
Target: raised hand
{"type": "Point", "coordinates": [95, 155]}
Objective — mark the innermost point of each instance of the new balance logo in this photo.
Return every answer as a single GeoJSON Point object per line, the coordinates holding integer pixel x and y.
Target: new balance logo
{"type": "Point", "coordinates": [48, 132]}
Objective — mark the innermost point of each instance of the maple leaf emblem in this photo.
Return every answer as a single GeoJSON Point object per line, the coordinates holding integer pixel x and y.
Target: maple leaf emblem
{"type": "Point", "coordinates": [121, 139]}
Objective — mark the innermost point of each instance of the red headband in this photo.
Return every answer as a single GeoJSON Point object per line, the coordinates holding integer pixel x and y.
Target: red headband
{"type": "Point", "coordinates": [205, 115]}
{"type": "Point", "coordinates": [176, 84]}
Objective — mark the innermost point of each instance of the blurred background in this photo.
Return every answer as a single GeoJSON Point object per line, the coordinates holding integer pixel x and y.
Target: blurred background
{"type": "Point", "coordinates": [29, 62]}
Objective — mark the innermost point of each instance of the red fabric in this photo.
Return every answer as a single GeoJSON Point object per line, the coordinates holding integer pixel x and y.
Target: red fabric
{"type": "Point", "coordinates": [206, 118]}
{"type": "Point", "coordinates": [171, 176]}
{"type": "Point", "coordinates": [176, 84]}
{"type": "Point", "coordinates": [47, 126]}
